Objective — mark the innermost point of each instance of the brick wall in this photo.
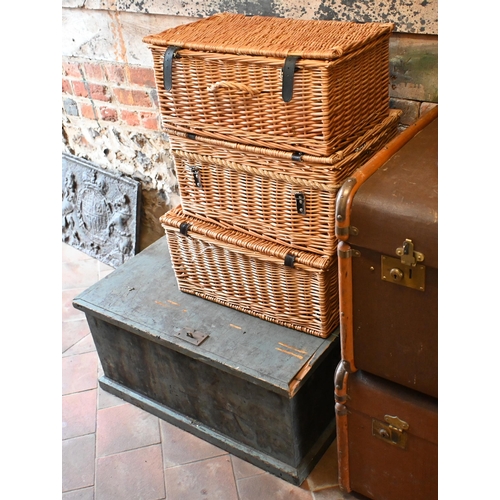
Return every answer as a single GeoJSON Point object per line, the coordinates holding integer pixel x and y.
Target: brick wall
{"type": "Point", "coordinates": [111, 117]}
{"type": "Point", "coordinates": [110, 110]}
{"type": "Point", "coordinates": [101, 91]}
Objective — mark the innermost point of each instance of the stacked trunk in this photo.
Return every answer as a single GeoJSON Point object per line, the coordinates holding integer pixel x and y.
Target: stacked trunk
{"type": "Point", "coordinates": [386, 386]}
{"type": "Point", "coordinates": [267, 117]}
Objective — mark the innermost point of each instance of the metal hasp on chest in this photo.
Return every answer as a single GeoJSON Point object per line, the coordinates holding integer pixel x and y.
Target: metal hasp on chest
{"type": "Point", "coordinates": [258, 390]}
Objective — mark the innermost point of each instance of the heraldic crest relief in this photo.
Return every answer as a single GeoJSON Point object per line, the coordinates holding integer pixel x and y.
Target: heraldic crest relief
{"type": "Point", "coordinates": [100, 211]}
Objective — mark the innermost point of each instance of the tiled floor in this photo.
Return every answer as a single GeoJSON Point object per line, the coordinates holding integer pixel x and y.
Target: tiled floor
{"type": "Point", "coordinates": [112, 450]}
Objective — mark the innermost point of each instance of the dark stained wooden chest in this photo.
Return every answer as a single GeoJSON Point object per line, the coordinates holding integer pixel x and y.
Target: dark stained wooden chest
{"type": "Point", "coordinates": [256, 389]}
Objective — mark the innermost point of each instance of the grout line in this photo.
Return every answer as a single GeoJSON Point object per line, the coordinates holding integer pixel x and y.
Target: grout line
{"type": "Point", "coordinates": [160, 433]}
{"type": "Point", "coordinates": [235, 478]}
{"type": "Point", "coordinates": [199, 460]}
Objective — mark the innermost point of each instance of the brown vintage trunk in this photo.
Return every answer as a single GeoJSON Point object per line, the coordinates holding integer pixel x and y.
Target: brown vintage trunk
{"type": "Point", "coordinates": [387, 438]}
{"type": "Point", "coordinates": [388, 262]}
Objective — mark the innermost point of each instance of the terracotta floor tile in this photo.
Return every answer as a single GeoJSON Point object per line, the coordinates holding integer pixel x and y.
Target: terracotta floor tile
{"type": "Point", "coordinates": [79, 414]}
{"type": "Point", "coordinates": [73, 332]}
{"type": "Point", "coordinates": [208, 479]}
{"type": "Point", "coordinates": [80, 274]}
{"type": "Point", "coordinates": [72, 254]}
{"type": "Point", "coordinates": [181, 447]}
{"type": "Point", "coordinates": [107, 400]}
{"type": "Point", "coordinates": [79, 373]}
{"type": "Point", "coordinates": [104, 270]}
{"type": "Point", "coordinates": [86, 344]}
{"type": "Point", "coordinates": [242, 468]}
{"type": "Point", "coordinates": [125, 427]}
{"type": "Point", "coordinates": [131, 475]}
{"type": "Point", "coordinates": [268, 486]}
{"type": "Point", "coordinates": [78, 462]}
{"type": "Point", "coordinates": [69, 313]}
{"type": "Point", "coordinates": [83, 494]}
{"type": "Point", "coordinates": [325, 474]}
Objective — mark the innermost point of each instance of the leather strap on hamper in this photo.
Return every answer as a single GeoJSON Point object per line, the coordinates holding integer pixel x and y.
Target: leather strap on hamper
{"type": "Point", "coordinates": [288, 72]}
{"type": "Point", "coordinates": [167, 66]}
{"type": "Point", "coordinates": [289, 260]}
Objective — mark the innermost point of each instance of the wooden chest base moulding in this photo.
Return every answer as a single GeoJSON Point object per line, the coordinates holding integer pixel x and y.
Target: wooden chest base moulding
{"type": "Point", "coordinates": [256, 389]}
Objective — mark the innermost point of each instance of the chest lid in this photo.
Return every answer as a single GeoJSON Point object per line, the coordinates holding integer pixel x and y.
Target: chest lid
{"type": "Point", "coordinates": [395, 211]}
{"type": "Point", "coordinates": [271, 36]}
{"type": "Point", "coordinates": [142, 297]}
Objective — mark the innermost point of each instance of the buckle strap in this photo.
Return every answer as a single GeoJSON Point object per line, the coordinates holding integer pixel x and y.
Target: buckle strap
{"type": "Point", "coordinates": [167, 66]}
{"type": "Point", "coordinates": [288, 72]}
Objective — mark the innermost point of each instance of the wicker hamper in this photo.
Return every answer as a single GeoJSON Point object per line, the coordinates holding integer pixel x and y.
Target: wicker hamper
{"type": "Point", "coordinates": [289, 287]}
{"type": "Point", "coordinates": [290, 84]}
{"type": "Point", "coordinates": [271, 194]}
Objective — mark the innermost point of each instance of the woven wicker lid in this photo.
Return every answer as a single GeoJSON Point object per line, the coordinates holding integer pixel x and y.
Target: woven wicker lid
{"type": "Point", "coordinates": [176, 218]}
{"type": "Point", "coordinates": [271, 36]}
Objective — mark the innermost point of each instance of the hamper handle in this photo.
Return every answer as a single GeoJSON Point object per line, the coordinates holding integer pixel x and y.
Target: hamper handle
{"type": "Point", "coordinates": [224, 84]}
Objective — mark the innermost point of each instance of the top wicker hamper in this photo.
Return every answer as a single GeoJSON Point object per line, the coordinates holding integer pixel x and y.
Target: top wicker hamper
{"type": "Point", "coordinates": [289, 84]}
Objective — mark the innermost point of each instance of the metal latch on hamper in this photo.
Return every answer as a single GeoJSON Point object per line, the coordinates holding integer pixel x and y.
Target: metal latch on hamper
{"type": "Point", "coordinates": [300, 200]}
{"type": "Point", "coordinates": [196, 176]}
{"type": "Point", "coordinates": [391, 431]}
{"type": "Point", "coordinates": [405, 270]}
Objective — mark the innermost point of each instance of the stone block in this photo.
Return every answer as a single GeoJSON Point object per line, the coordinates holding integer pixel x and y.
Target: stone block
{"type": "Point", "coordinates": [134, 27]}
{"type": "Point", "coordinates": [70, 107]}
{"type": "Point", "coordinates": [90, 34]}
{"type": "Point", "coordinates": [414, 67]}
{"type": "Point", "coordinates": [410, 110]}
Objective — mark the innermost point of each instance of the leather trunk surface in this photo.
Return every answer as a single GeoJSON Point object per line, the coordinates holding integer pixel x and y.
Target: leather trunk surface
{"type": "Point", "coordinates": [379, 469]}
{"type": "Point", "coordinates": [395, 326]}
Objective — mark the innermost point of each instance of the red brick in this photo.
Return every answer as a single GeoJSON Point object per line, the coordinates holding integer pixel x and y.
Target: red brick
{"type": "Point", "coordinates": [66, 86]}
{"type": "Point", "coordinates": [142, 76]}
{"type": "Point", "coordinates": [130, 118]}
{"type": "Point", "coordinates": [149, 120]}
{"type": "Point", "coordinates": [80, 89]}
{"type": "Point", "coordinates": [99, 92]}
{"type": "Point", "coordinates": [115, 73]}
{"type": "Point", "coordinates": [71, 69]}
{"type": "Point", "coordinates": [93, 71]}
{"type": "Point", "coordinates": [109, 114]}
{"type": "Point", "coordinates": [87, 111]}
{"type": "Point", "coordinates": [133, 97]}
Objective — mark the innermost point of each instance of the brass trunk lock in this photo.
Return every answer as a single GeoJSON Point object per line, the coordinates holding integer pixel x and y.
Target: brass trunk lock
{"type": "Point", "coordinates": [391, 431]}
{"type": "Point", "coordinates": [406, 270]}
{"type": "Point", "coordinates": [408, 256]}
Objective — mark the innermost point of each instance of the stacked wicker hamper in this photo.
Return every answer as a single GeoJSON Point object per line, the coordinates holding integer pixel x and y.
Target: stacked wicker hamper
{"type": "Point", "coordinates": [267, 117]}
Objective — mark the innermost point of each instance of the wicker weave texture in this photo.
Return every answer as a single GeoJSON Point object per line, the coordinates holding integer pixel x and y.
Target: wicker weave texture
{"type": "Point", "coordinates": [271, 36]}
{"type": "Point", "coordinates": [255, 190]}
{"type": "Point", "coordinates": [238, 97]}
{"type": "Point", "coordinates": [248, 274]}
